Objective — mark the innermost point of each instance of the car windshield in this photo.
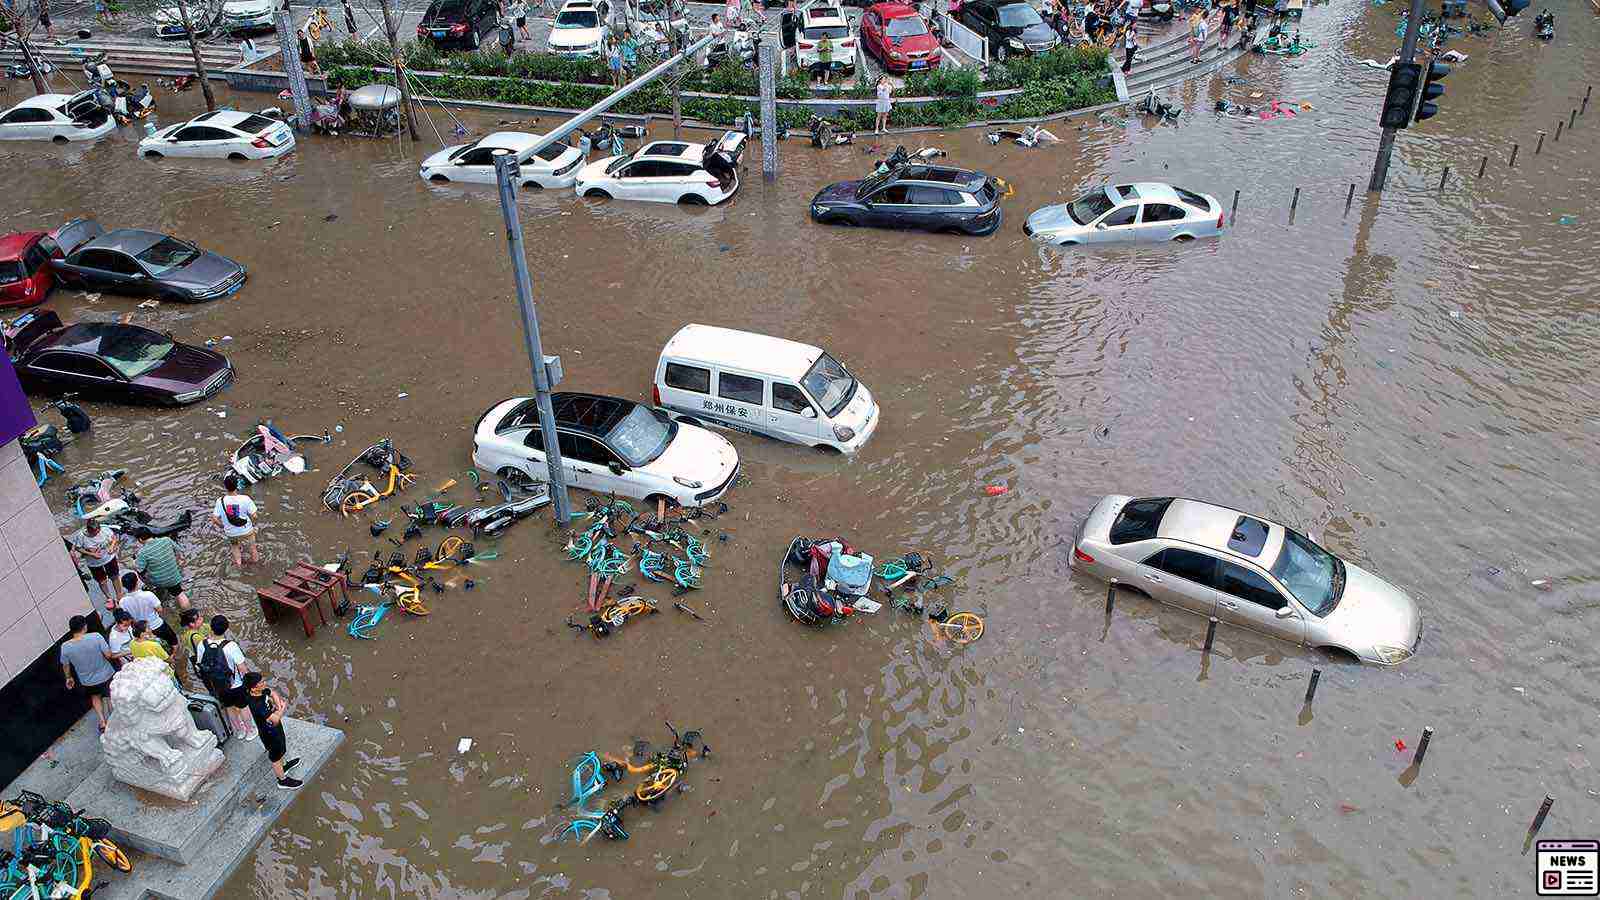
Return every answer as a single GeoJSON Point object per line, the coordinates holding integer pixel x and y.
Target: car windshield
{"type": "Point", "coordinates": [872, 183]}
{"type": "Point", "coordinates": [1018, 15]}
{"type": "Point", "coordinates": [1313, 575]}
{"type": "Point", "coordinates": [11, 271]}
{"type": "Point", "coordinates": [552, 152]}
{"type": "Point", "coordinates": [1089, 207]}
{"type": "Point", "coordinates": [618, 163]}
{"type": "Point", "coordinates": [830, 384]}
{"type": "Point", "coordinates": [455, 10]}
{"type": "Point", "coordinates": [641, 436]}
{"type": "Point", "coordinates": [818, 32]}
{"type": "Point", "coordinates": [906, 26]}
{"type": "Point", "coordinates": [133, 351]}
{"type": "Point", "coordinates": [578, 18]}
{"type": "Point", "coordinates": [167, 254]}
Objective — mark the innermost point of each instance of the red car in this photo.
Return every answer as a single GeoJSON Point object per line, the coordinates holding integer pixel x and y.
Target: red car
{"type": "Point", "coordinates": [26, 275]}
{"type": "Point", "coordinates": [899, 37]}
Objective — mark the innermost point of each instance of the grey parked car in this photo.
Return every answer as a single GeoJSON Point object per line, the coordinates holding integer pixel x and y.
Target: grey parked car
{"type": "Point", "coordinates": [1247, 572]}
{"type": "Point", "coordinates": [144, 263]}
{"type": "Point", "coordinates": [1145, 212]}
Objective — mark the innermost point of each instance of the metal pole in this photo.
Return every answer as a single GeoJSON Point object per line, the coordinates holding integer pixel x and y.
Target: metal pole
{"type": "Point", "coordinates": [1572, 120]}
{"type": "Point", "coordinates": [1540, 148]}
{"type": "Point", "coordinates": [1311, 689]}
{"type": "Point", "coordinates": [1111, 595]}
{"type": "Point", "coordinates": [1422, 747]}
{"type": "Point", "coordinates": [505, 165]}
{"type": "Point", "coordinates": [583, 118]}
{"type": "Point", "coordinates": [296, 72]}
{"type": "Point", "coordinates": [1559, 125]}
{"type": "Point", "coordinates": [1513, 163]}
{"type": "Point", "coordinates": [769, 111]}
{"type": "Point", "coordinates": [1350, 198]}
{"type": "Point", "coordinates": [1234, 212]}
{"type": "Point", "coordinates": [1443, 178]}
{"type": "Point", "coordinates": [1293, 204]}
{"type": "Point", "coordinates": [1408, 54]}
{"type": "Point", "coordinates": [1483, 165]}
{"type": "Point", "coordinates": [1544, 810]}
{"type": "Point", "coordinates": [1211, 633]}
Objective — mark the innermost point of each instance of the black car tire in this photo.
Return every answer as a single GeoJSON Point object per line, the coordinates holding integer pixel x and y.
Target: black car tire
{"type": "Point", "coordinates": [152, 154]}
{"type": "Point", "coordinates": [532, 186]}
{"type": "Point", "coordinates": [596, 194]}
{"type": "Point", "coordinates": [436, 178]}
{"type": "Point", "coordinates": [58, 139]}
{"type": "Point", "coordinates": [472, 37]}
{"type": "Point", "coordinates": [236, 156]}
{"type": "Point", "coordinates": [692, 200]}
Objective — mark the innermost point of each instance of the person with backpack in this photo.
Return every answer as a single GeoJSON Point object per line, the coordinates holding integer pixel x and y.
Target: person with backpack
{"type": "Point", "coordinates": [235, 514]}
{"type": "Point", "coordinates": [86, 659]}
{"type": "Point", "coordinates": [194, 634]}
{"type": "Point", "coordinates": [222, 669]}
{"type": "Point", "coordinates": [266, 707]}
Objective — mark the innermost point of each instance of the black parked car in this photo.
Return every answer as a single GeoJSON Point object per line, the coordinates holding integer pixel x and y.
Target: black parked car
{"type": "Point", "coordinates": [111, 361]}
{"type": "Point", "coordinates": [458, 23]}
{"type": "Point", "coordinates": [1011, 26]}
{"type": "Point", "coordinates": [144, 263]}
{"type": "Point", "coordinates": [930, 198]}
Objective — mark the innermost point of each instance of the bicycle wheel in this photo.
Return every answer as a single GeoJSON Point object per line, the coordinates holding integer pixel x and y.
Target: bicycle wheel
{"type": "Point", "coordinates": [959, 628]}
{"type": "Point", "coordinates": [113, 856]}
{"type": "Point", "coordinates": [356, 501]}
{"type": "Point", "coordinates": [657, 786]}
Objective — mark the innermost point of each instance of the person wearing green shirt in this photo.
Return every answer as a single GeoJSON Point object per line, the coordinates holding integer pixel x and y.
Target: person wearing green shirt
{"type": "Point", "coordinates": [157, 562]}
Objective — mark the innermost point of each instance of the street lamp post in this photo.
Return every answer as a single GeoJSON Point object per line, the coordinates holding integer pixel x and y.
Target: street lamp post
{"type": "Point", "coordinates": [546, 369]}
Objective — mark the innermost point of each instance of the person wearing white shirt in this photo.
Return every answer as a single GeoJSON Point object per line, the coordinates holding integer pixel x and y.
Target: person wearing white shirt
{"type": "Point", "coordinates": [145, 607]}
{"type": "Point", "coordinates": [235, 514]}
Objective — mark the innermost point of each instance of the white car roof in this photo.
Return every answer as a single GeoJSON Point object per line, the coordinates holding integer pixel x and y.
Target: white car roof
{"type": "Point", "coordinates": [1152, 192]}
{"type": "Point", "coordinates": [227, 118]}
{"type": "Point", "coordinates": [742, 350]}
{"type": "Point", "coordinates": [678, 151]}
{"type": "Point", "coordinates": [44, 101]}
{"type": "Point", "coordinates": [822, 15]}
{"type": "Point", "coordinates": [578, 5]}
{"type": "Point", "coordinates": [515, 141]}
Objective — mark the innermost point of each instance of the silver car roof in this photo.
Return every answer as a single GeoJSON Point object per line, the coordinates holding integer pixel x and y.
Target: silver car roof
{"type": "Point", "coordinates": [1210, 526]}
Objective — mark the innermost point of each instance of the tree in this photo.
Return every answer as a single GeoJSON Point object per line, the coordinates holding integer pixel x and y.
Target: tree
{"type": "Point", "coordinates": [399, 69]}
{"type": "Point", "coordinates": [21, 25]}
{"type": "Point", "coordinates": [190, 15]}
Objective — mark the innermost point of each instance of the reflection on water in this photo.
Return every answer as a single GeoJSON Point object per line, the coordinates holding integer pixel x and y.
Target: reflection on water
{"type": "Point", "coordinates": [1409, 380]}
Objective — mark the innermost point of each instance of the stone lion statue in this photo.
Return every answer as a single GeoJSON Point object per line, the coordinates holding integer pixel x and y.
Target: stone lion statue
{"type": "Point", "coordinates": [151, 741]}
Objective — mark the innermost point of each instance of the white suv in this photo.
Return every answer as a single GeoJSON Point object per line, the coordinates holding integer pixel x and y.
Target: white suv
{"type": "Point", "coordinates": [608, 445]}
{"type": "Point", "coordinates": [578, 31]}
{"type": "Point", "coordinates": [817, 22]}
{"type": "Point", "coordinates": [668, 172]}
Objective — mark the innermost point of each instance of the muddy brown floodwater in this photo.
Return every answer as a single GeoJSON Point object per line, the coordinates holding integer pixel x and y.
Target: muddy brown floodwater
{"type": "Point", "coordinates": [1413, 381]}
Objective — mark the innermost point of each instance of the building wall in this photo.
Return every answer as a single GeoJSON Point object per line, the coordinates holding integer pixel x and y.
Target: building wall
{"type": "Point", "coordinates": [39, 587]}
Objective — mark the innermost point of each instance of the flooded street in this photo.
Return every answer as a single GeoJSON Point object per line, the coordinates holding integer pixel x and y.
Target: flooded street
{"type": "Point", "coordinates": [1413, 382]}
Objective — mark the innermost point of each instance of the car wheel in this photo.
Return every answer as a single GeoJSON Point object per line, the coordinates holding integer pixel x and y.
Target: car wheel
{"type": "Point", "coordinates": [516, 477]}
{"type": "Point", "coordinates": [532, 186]}
{"type": "Point", "coordinates": [58, 139]}
{"type": "Point", "coordinates": [237, 156]}
{"type": "Point", "coordinates": [436, 178]}
{"type": "Point", "coordinates": [1340, 655]}
{"type": "Point", "coordinates": [827, 450]}
{"type": "Point", "coordinates": [152, 154]}
{"type": "Point", "coordinates": [846, 221]}
{"type": "Point", "coordinates": [1183, 238]}
{"type": "Point", "coordinates": [596, 194]}
{"type": "Point", "coordinates": [692, 200]}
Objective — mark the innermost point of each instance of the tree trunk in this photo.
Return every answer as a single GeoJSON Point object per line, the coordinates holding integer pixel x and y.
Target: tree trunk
{"type": "Point", "coordinates": [14, 19]}
{"type": "Point", "coordinates": [194, 48]}
{"type": "Point", "coordinates": [399, 69]}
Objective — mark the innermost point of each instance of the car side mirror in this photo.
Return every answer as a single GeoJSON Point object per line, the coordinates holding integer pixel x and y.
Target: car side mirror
{"type": "Point", "coordinates": [615, 467]}
{"type": "Point", "coordinates": [809, 413]}
{"type": "Point", "coordinates": [1287, 612]}
{"type": "Point", "coordinates": [1100, 226]}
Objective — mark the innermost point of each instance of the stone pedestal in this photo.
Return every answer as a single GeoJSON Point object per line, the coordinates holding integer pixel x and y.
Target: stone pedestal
{"type": "Point", "coordinates": [152, 742]}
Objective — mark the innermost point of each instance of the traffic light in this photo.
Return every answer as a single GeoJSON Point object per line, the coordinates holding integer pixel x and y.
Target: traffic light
{"type": "Point", "coordinates": [1505, 9]}
{"type": "Point", "coordinates": [1432, 90]}
{"type": "Point", "coordinates": [1401, 95]}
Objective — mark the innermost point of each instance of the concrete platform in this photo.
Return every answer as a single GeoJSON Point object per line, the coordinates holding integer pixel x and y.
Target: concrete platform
{"type": "Point", "coordinates": [181, 851]}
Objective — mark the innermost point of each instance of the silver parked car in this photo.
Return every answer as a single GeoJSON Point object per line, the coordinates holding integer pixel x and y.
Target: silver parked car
{"type": "Point", "coordinates": [1247, 572]}
{"type": "Point", "coordinates": [1146, 212]}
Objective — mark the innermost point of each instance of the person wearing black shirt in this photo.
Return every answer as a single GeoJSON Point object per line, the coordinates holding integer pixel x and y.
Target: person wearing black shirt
{"type": "Point", "coordinates": [266, 707]}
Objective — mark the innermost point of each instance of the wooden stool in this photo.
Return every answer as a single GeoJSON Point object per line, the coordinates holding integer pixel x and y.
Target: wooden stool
{"type": "Point", "coordinates": [323, 577]}
{"type": "Point", "coordinates": [292, 594]}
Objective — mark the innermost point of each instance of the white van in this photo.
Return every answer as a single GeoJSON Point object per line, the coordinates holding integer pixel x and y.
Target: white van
{"type": "Point", "coordinates": [763, 385]}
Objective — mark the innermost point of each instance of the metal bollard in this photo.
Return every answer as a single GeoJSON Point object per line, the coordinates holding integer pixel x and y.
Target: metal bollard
{"type": "Point", "coordinates": [1211, 633]}
{"type": "Point", "coordinates": [1111, 595]}
{"type": "Point", "coordinates": [1349, 198]}
{"type": "Point", "coordinates": [1572, 120]}
{"type": "Point", "coordinates": [1539, 149]}
{"type": "Point", "coordinates": [1422, 747]}
{"type": "Point", "coordinates": [1513, 163]}
{"type": "Point", "coordinates": [1294, 203]}
{"type": "Point", "coordinates": [1483, 165]}
{"type": "Point", "coordinates": [1544, 810]}
{"type": "Point", "coordinates": [1559, 126]}
{"type": "Point", "coordinates": [1311, 689]}
{"type": "Point", "coordinates": [1443, 178]}
{"type": "Point", "coordinates": [1234, 213]}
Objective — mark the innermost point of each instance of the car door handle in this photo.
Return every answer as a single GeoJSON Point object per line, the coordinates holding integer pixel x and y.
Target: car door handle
{"type": "Point", "coordinates": [1227, 604]}
{"type": "Point", "coordinates": [1152, 577]}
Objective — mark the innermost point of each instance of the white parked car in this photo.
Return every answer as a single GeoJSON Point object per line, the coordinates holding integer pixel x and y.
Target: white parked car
{"type": "Point", "coordinates": [817, 22]}
{"type": "Point", "coordinates": [668, 172]}
{"type": "Point", "coordinates": [56, 117]}
{"type": "Point", "coordinates": [246, 15]}
{"type": "Point", "coordinates": [556, 166]}
{"type": "Point", "coordinates": [607, 445]}
{"type": "Point", "coordinates": [763, 385]}
{"type": "Point", "coordinates": [169, 23]}
{"type": "Point", "coordinates": [578, 30]}
{"type": "Point", "coordinates": [223, 134]}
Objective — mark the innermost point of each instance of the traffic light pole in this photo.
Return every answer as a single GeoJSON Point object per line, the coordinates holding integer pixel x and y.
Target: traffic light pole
{"type": "Point", "coordinates": [1408, 54]}
{"type": "Point", "coordinates": [505, 165]}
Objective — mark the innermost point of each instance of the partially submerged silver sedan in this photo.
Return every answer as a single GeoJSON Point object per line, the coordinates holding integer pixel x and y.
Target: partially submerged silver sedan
{"type": "Point", "coordinates": [1145, 212]}
{"type": "Point", "coordinates": [1247, 572]}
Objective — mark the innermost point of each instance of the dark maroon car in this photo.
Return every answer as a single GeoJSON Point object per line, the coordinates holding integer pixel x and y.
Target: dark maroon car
{"type": "Point", "coordinates": [111, 361]}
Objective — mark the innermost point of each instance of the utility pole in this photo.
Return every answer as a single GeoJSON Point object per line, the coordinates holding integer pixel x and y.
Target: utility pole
{"type": "Point", "coordinates": [1408, 55]}
{"type": "Point", "coordinates": [769, 111]}
{"type": "Point", "coordinates": [292, 67]}
{"type": "Point", "coordinates": [20, 29]}
{"type": "Point", "coordinates": [400, 70]}
{"type": "Point", "coordinates": [544, 367]}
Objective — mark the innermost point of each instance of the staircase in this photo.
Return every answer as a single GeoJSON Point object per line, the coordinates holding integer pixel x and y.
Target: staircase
{"type": "Point", "coordinates": [1165, 61]}
{"type": "Point", "coordinates": [130, 57]}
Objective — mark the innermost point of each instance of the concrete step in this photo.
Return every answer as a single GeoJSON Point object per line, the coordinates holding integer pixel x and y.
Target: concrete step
{"type": "Point", "coordinates": [1172, 64]}
{"type": "Point", "coordinates": [1209, 63]}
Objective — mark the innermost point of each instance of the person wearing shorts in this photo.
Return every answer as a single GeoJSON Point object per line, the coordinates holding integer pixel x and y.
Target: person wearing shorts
{"type": "Point", "coordinates": [266, 707]}
{"type": "Point", "coordinates": [86, 660]}
{"type": "Point", "coordinates": [232, 695]}
{"type": "Point", "coordinates": [95, 545]}
{"type": "Point", "coordinates": [158, 566]}
{"type": "Point", "coordinates": [235, 514]}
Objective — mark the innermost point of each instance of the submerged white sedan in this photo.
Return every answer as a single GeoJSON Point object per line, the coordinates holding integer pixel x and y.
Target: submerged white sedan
{"type": "Point", "coordinates": [556, 166]}
{"type": "Point", "coordinates": [57, 117]}
{"type": "Point", "coordinates": [608, 445]}
{"type": "Point", "coordinates": [1143, 212]}
{"type": "Point", "coordinates": [222, 134]}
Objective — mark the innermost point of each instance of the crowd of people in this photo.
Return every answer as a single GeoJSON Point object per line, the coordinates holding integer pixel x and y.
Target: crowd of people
{"type": "Point", "coordinates": [138, 599]}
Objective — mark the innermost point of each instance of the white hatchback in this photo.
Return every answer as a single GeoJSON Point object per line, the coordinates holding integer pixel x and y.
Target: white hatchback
{"type": "Point", "coordinates": [608, 445]}
{"type": "Point", "coordinates": [247, 15]}
{"type": "Point", "coordinates": [578, 31]}
{"type": "Point", "coordinates": [222, 134]}
{"type": "Point", "coordinates": [668, 172]}
{"type": "Point", "coordinates": [56, 117]}
{"type": "Point", "coordinates": [556, 166]}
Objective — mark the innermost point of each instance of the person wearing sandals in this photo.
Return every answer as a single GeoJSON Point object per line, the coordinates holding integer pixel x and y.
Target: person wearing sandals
{"type": "Point", "coordinates": [86, 659]}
